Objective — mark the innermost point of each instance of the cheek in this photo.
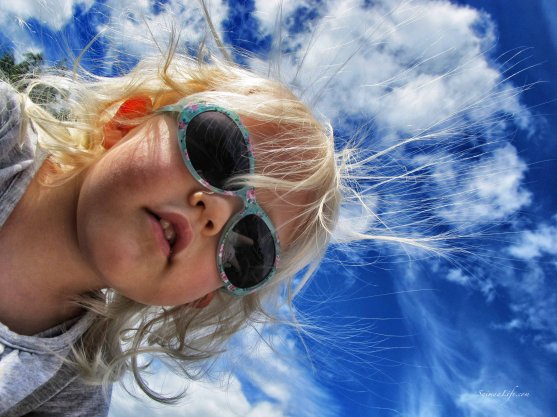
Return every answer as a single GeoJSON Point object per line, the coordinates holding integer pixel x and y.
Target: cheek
{"type": "Point", "coordinates": [190, 276]}
{"type": "Point", "coordinates": [115, 247]}
{"type": "Point", "coordinates": [112, 227]}
{"type": "Point", "coordinates": [135, 166]}
{"type": "Point", "coordinates": [195, 277]}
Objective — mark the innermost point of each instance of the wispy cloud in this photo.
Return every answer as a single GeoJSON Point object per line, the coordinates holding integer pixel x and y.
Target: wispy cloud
{"type": "Point", "coordinates": [550, 14]}
{"type": "Point", "coordinates": [533, 294]}
{"type": "Point", "coordinates": [474, 351]}
{"type": "Point", "coordinates": [460, 369]}
{"type": "Point", "coordinates": [521, 276]}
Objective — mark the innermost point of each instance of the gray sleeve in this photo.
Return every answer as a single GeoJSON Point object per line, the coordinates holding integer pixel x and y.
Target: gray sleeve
{"type": "Point", "coordinates": [18, 151]}
{"type": "Point", "coordinates": [64, 395]}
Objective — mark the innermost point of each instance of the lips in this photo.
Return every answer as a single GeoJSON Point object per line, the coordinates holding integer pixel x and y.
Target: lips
{"type": "Point", "coordinates": [175, 226]}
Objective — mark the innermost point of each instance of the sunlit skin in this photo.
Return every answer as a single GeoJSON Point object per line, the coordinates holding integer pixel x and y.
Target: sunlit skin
{"type": "Point", "coordinates": [96, 231]}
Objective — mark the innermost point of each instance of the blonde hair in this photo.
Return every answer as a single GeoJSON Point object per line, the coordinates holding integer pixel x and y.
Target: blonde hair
{"type": "Point", "coordinates": [297, 157]}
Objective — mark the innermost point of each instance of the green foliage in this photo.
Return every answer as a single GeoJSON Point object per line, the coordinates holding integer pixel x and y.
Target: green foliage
{"type": "Point", "coordinates": [19, 75]}
{"type": "Point", "coordinates": [32, 63]}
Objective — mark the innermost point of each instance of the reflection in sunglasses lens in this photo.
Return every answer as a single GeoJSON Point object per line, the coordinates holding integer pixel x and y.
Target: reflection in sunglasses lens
{"type": "Point", "coordinates": [216, 148]}
{"type": "Point", "coordinates": [249, 252]}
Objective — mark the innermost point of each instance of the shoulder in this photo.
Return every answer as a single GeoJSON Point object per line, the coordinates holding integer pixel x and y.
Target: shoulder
{"type": "Point", "coordinates": [65, 394]}
{"type": "Point", "coordinates": [10, 117]}
{"type": "Point", "coordinates": [78, 399]}
{"type": "Point", "coordinates": [19, 153]}
{"type": "Point", "coordinates": [36, 378]}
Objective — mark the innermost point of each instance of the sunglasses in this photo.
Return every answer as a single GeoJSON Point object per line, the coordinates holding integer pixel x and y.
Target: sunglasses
{"type": "Point", "coordinates": [216, 148]}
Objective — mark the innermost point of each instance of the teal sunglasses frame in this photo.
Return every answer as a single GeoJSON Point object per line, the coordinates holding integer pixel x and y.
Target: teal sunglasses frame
{"type": "Point", "coordinates": [186, 112]}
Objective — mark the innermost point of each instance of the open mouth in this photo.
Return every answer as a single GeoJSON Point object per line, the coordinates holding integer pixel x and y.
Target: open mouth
{"type": "Point", "coordinates": [172, 230]}
{"type": "Point", "coordinates": [168, 231]}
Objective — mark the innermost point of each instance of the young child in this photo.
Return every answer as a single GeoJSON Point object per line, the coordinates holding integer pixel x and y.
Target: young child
{"type": "Point", "coordinates": [157, 212]}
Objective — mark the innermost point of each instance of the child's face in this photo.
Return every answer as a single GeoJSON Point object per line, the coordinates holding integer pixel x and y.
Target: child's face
{"type": "Point", "coordinates": [122, 195]}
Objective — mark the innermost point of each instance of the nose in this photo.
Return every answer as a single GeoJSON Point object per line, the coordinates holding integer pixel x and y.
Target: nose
{"type": "Point", "coordinates": [214, 211]}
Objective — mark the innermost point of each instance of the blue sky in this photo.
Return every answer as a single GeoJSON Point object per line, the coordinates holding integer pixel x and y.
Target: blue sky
{"type": "Point", "coordinates": [469, 87]}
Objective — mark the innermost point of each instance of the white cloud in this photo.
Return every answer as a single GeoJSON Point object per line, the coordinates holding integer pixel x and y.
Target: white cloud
{"type": "Point", "coordinates": [53, 13]}
{"type": "Point", "coordinates": [456, 275]}
{"type": "Point", "coordinates": [552, 347]}
{"type": "Point", "coordinates": [203, 399]}
{"type": "Point", "coordinates": [279, 379]}
{"type": "Point", "coordinates": [533, 244]}
{"type": "Point", "coordinates": [357, 217]}
{"type": "Point", "coordinates": [411, 66]}
{"type": "Point", "coordinates": [416, 63]}
{"type": "Point", "coordinates": [268, 10]}
{"type": "Point", "coordinates": [485, 191]}
{"type": "Point", "coordinates": [280, 369]}
{"type": "Point", "coordinates": [131, 27]}
{"type": "Point", "coordinates": [128, 29]}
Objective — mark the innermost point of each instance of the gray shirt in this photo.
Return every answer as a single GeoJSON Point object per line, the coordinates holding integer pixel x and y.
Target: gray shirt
{"type": "Point", "coordinates": [34, 379]}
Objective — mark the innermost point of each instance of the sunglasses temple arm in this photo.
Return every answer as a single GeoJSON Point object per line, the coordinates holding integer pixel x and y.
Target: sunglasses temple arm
{"type": "Point", "coordinates": [170, 109]}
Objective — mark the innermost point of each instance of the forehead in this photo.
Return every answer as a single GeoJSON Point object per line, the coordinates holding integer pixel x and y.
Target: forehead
{"type": "Point", "coordinates": [285, 212]}
{"type": "Point", "coordinates": [285, 208]}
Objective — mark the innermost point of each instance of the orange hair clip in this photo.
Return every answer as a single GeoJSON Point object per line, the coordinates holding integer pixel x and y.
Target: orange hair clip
{"type": "Point", "coordinates": [130, 109]}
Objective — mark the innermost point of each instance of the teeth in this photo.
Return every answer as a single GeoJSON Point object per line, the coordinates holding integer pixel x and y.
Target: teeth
{"type": "Point", "coordinates": [169, 232]}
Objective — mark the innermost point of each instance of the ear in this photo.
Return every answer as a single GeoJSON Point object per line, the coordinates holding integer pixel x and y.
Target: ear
{"type": "Point", "coordinates": [204, 301]}
{"type": "Point", "coordinates": [131, 109]}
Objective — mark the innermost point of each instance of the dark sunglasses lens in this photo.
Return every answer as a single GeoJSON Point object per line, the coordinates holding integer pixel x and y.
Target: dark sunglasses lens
{"type": "Point", "coordinates": [249, 252]}
{"type": "Point", "coordinates": [216, 148]}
